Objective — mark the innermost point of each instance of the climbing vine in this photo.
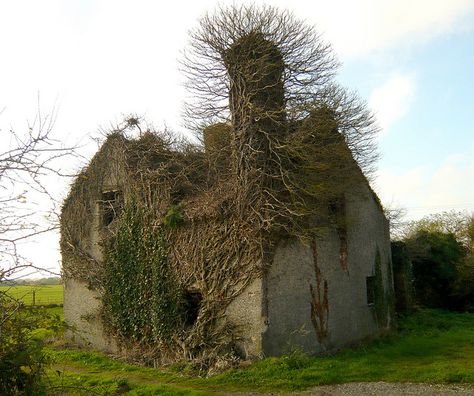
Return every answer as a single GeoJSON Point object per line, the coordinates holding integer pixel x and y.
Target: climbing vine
{"type": "Point", "coordinates": [141, 297]}
{"type": "Point", "coordinates": [319, 300]}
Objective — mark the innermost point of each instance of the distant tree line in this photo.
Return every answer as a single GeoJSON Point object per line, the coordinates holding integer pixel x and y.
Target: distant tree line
{"type": "Point", "coordinates": [54, 280]}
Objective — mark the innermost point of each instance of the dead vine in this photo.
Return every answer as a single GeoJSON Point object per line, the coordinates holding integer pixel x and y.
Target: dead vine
{"type": "Point", "coordinates": [284, 148]}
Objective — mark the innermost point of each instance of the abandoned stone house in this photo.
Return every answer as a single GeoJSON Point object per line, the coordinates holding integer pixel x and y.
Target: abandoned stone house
{"type": "Point", "coordinates": [318, 296]}
{"type": "Point", "coordinates": [238, 245]}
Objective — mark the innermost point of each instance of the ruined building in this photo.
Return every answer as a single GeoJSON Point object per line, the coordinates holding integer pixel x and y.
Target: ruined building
{"type": "Point", "coordinates": [267, 238]}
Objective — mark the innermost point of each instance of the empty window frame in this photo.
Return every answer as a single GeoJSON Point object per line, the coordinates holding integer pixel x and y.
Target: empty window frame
{"type": "Point", "coordinates": [110, 206]}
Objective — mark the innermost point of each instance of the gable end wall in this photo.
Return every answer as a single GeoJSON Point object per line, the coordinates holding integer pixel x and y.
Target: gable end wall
{"type": "Point", "coordinates": [349, 318]}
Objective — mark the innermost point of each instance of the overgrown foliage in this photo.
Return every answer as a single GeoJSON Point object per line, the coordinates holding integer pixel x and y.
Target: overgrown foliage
{"type": "Point", "coordinates": [283, 149]}
{"type": "Point", "coordinates": [319, 301]}
{"type": "Point", "coordinates": [176, 233]}
{"type": "Point", "coordinates": [384, 303]}
{"type": "Point", "coordinates": [262, 70]}
{"type": "Point", "coordinates": [440, 247]}
{"type": "Point", "coordinates": [141, 296]}
{"type": "Point", "coordinates": [435, 257]}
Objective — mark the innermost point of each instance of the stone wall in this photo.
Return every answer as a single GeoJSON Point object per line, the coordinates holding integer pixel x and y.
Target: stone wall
{"type": "Point", "coordinates": [82, 306]}
{"type": "Point", "coordinates": [245, 312]}
{"type": "Point", "coordinates": [82, 311]}
{"type": "Point", "coordinates": [349, 318]}
{"type": "Point", "coordinates": [273, 314]}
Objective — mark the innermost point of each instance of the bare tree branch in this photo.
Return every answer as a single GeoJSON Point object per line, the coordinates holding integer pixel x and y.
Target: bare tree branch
{"type": "Point", "coordinates": [27, 160]}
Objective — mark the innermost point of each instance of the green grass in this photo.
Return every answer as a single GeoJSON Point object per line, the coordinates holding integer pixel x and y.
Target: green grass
{"type": "Point", "coordinates": [86, 384]}
{"type": "Point", "coordinates": [56, 311]}
{"type": "Point", "coordinates": [44, 294]}
{"type": "Point", "coordinates": [432, 346]}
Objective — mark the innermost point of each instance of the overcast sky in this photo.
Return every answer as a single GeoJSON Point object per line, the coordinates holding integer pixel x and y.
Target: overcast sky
{"type": "Point", "coordinates": [412, 60]}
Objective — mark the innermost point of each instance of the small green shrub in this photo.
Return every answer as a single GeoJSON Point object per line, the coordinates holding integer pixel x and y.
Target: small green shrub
{"type": "Point", "coordinates": [296, 359]}
{"type": "Point", "coordinates": [174, 216]}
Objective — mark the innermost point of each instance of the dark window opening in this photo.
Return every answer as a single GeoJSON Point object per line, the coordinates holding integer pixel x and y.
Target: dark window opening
{"type": "Point", "coordinates": [334, 208]}
{"type": "Point", "coordinates": [192, 304]}
{"type": "Point", "coordinates": [110, 206]}
{"type": "Point", "coordinates": [337, 207]}
{"type": "Point", "coordinates": [370, 283]}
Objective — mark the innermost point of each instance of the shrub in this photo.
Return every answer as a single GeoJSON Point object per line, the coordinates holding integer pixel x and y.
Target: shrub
{"type": "Point", "coordinates": [436, 258]}
{"type": "Point", "coordinates": [22, 358]}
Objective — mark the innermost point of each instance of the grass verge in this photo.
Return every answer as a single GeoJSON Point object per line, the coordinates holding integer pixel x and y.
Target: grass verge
{"type": "Point", "coordinates": [431, 346]}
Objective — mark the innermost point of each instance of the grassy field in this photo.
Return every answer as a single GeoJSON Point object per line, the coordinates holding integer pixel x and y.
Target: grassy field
{"type": "Point", "coordinates": [432, 346]}
{"type": "Point", "coordinates": [43, 295]}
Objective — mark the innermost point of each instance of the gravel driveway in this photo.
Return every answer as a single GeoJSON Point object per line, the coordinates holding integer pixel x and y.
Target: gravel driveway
{"type": "Point", "coordinates": [376, 389]}
{"type": "Point", "coordinates": [388, 389]}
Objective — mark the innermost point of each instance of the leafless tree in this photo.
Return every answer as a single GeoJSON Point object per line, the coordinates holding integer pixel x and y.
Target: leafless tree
{"type": "Point", "coordinates": [307, 62]}
{"type": "Point", "coordinates": [27, 159]}
{"type": "Point", "coordinates": [396, 216]}
{"type": "Point", "coordinates": [270, 77]}
{"type": "Point", "coordinates": [278, 67]}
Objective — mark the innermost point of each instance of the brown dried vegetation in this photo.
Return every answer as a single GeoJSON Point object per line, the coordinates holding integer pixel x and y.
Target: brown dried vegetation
{"type": "Point", "coordinates": [280, 141]}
